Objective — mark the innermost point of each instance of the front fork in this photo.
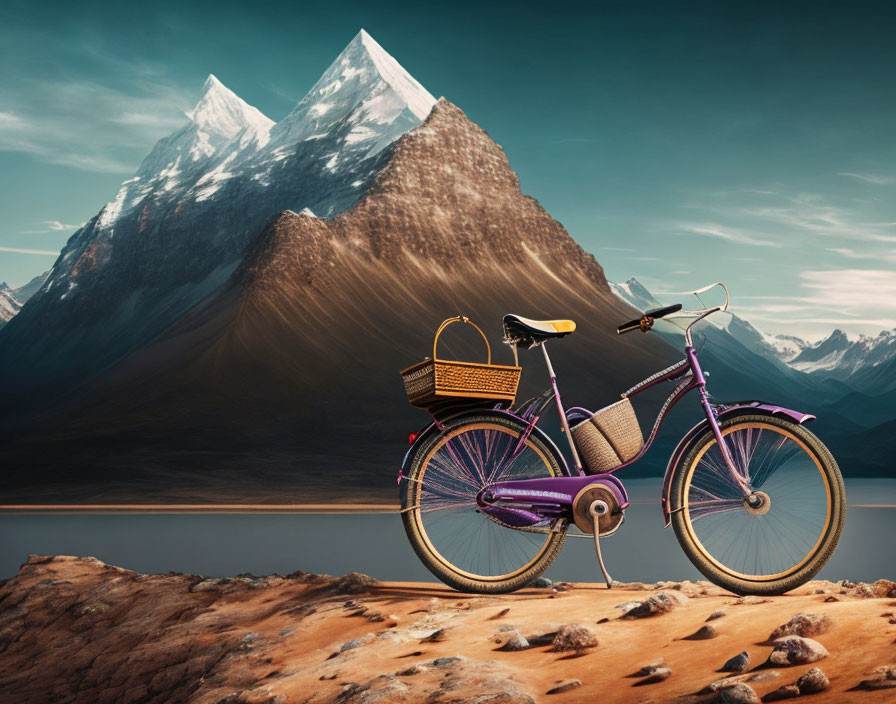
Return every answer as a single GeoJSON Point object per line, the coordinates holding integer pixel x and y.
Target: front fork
{"type": "Point", "coordinates": [712, 417]}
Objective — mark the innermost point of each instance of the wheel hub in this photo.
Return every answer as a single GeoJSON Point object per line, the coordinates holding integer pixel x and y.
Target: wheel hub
{"type": "Point", "coordinates": [758, 503]}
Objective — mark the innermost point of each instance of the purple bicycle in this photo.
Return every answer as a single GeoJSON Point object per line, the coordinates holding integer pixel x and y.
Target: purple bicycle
{"type": "Point", "coordinates": [756, 500]}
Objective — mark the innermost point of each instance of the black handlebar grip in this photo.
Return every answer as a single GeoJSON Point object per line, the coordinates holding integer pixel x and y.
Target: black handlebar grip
{"type": "Point", "coordinates": [629, 326]}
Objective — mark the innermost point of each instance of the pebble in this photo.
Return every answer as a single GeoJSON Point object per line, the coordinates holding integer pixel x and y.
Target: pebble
{"type": "Point", "coordinates": [715, 614]}
{"type": "Point", "coordinates": [788, 691]}
{"type": "Point", "coordinates": [649, 669]}
{"type": "Point", "coordinates": [738, 694]}
{"type": "Point", "coordinates": [564, 686]}
{"type": "Point", "coordinates": [813, 681]}
{"type": "Point", "coordinates": [803, 624]}
{"type": "Point", "coordinates": [738, 663]}
{"type": "Point", "coordinates": [660, 603]}
{"type": "Point", "coordinates": [874, 685]}
{"type": "Point", "coordinates": [660, 674]}
{"type": "Point", "coordinates": [796, 650]}
{"type": "Point", "coordinates": [512, 641]}
{"type": "Point", "coordinates": [726, 682]}
{"type": "Point", "coordinates": [703, 633]}
{"type": "Point", "coordinates": [573, 637]}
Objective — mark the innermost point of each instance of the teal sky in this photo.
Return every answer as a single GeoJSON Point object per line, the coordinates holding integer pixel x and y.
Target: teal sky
{"type": "Point", "coordinates": [680, 143]}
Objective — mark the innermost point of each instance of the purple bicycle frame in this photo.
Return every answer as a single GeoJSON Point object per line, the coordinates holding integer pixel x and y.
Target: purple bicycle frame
{"type": "Point", "coordinates": [527, 502]}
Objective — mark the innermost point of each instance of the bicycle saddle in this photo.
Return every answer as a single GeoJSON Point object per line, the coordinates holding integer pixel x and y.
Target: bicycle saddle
{"type": "Point", "coordinates": [517, 326]}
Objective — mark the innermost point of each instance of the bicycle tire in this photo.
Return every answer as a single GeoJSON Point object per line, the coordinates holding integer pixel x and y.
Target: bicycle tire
{"type": "Point", "coordinates": [449, 573]}
{"type": "Point", "coordinates": [814, 560]}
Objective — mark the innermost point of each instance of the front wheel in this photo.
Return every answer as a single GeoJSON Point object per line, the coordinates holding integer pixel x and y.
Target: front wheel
{"type": "Point", "coordinates": [462, 546]}
{"type": "Point", "coordinates": [790, 531]}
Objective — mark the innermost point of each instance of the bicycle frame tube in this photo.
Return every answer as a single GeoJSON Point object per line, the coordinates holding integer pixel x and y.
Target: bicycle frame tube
{"type": "Point", "coordinates": [692, 376]}
{"type": "Point", "coordinates": [712, 418]}
{"type": "Point", "coordinates": [577, 463]}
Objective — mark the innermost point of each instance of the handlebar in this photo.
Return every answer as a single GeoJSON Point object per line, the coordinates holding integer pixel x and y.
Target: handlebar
{"type": "Point", "coordinates": [645, 322]}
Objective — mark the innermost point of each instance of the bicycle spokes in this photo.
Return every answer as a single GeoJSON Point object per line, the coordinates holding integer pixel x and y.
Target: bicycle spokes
{"type": "Point", "coordinates": [777, 527]}
{"type": "Point", "coordinates": [457, 469]}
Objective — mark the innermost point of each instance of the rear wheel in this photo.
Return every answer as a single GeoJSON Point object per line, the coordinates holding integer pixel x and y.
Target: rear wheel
{"type": "Point", "coordinates": [789, 531]}
{"type": "Point", "coordinates": [463, 547]}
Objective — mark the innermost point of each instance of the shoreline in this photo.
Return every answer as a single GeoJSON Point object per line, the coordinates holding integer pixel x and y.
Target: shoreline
{"type": "Point", "coordinates": [14, 509]}
{"type": "Point", "coordinates": [248, 509]}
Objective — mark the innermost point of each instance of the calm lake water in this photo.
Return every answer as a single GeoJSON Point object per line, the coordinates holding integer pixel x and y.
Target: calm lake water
{"type": "Point", "coordinates": [222, 545]}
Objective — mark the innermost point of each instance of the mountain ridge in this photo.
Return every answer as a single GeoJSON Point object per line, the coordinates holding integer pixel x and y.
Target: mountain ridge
{"type": "Point", "coordinates": [176, 231]}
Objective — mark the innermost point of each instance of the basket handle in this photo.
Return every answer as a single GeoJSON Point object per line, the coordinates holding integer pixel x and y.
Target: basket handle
{"type": "Point", "coordinates": [459, 319]}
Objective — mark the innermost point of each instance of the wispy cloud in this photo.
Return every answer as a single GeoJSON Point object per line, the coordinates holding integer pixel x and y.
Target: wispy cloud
{"type": "Point", "coordinates": [778, 218]}
{"type": "Point", "coordinates": [851, 289]}
{"type": "Point", "coordinates": [853, 299]}
{"type": "Point", "coordinates": [51, 226]}
{"type": "Point", "coordinates": [876, 179]}
{"type": "Point", "coordinates": [10, 121]}
{"type": "Point", "coordinates": [850, 253]}
{"type": "Point", "coordinates": [88, 125]}
{"type": "Point", "coordinates": [814, 214]}
{"type": "Point", "coordinates": [56, 226]}
{"type": "Point", "coordinates": [23, 250]}
{"type": "Point", "coordinates": [722, 232]}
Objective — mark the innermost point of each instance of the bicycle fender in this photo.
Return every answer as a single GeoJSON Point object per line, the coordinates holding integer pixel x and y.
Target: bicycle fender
{"type": "Point", "coordinates": [739, 408]}
{"type": "Point", "coordinates": [435, 429]}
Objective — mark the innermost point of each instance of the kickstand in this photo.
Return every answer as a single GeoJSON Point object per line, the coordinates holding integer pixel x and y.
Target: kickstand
{"type": "Point", "coordinates": [597, 509]}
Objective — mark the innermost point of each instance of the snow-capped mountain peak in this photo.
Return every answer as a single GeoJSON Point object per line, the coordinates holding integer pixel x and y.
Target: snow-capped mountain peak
{"type": "Point", "coordinates": [787, 347]}
{"type": "Point", "coordinates": [220, 127]}
{"type": "Point", "coordinates": [9, 306]}
{"type": "Point", "coordinates": [221, 112]}
{"type": "Point", "coordinates": [418, 99]}
{"type": "Point", "coordinates": [219, 117]}
{"type": "Point", "coordinates": [365, 99]}
{"type": "Point", "coordinates": [633, 292]}
{"type": "Point", "coordinates": [840, 357]}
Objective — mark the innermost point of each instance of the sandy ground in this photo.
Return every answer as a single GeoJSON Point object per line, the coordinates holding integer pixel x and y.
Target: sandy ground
{"type": "Point", "coordinates": [74, 629]}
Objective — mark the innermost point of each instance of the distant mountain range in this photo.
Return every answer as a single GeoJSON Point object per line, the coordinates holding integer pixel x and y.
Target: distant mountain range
{"type": "Point", "coordinates": [12, 299]}
{"type": "Point", "coordinates": [835, 357]}
{"type": "Point", "coordinates": [849, 384]}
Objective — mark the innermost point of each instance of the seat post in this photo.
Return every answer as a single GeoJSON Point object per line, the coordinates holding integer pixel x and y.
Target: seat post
{"type": "Point", "coordinates": [563, 422]}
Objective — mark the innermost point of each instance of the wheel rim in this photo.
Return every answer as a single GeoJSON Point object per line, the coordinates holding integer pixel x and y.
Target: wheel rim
{"type": "Point", "coordinates": [765, 545]}
{"type": "Point", "coordinates": [453, 472]}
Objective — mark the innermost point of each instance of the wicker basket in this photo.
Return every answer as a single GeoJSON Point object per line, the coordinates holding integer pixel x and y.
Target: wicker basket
{"type": "Point", "coordinates": [432, 382]}
{"type": "Point", "coordinates": [611, 437]}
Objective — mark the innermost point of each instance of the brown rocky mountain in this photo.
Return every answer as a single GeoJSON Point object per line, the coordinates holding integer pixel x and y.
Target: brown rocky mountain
{"type": "Point", "coordinates": [283, 385]}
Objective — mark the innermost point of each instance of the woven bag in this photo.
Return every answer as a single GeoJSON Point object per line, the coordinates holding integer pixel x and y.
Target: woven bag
{"type": "Point", "coordinates": [432, 382]}
{"type": "Point", "coordinates": [611, 437]}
